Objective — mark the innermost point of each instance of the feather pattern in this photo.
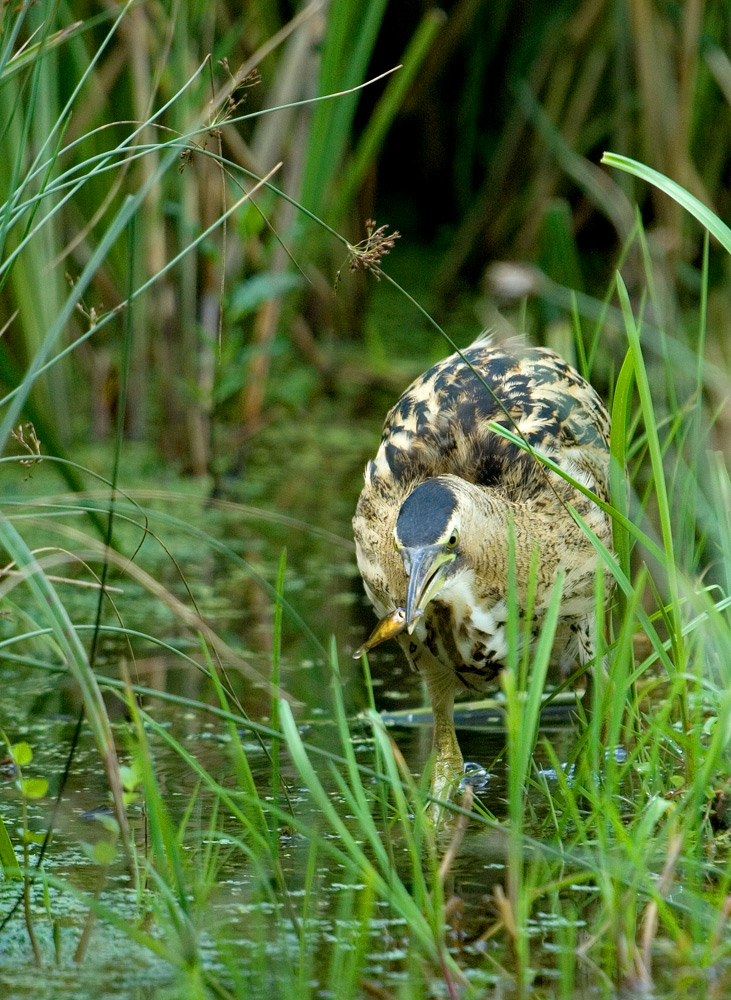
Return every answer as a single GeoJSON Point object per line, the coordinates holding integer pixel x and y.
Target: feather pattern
{"type": "Point", "coordinates": [442, 430]}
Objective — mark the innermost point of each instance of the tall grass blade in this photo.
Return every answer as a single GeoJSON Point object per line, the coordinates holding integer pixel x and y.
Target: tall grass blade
{"type": "Point", "coordinates": [347, 46]}
{"type": "Point", "coordinates": [621, 415]}
{"type": "Point", "coordinates": [276, 663]}
{"type": "Point", "coordinates": [52, 608]}
{"type": "Point", "coordinates": [708, 219]}
{"type": "Point", "coordinates": [375, 132]}
{"type": "Point", "coordinates": [523, 715]}
{"type": "Point", "coordinates": [656, 458]}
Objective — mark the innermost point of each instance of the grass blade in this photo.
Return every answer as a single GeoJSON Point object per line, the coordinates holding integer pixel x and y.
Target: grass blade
{"type": "Point", "coordinates": [708, 219]}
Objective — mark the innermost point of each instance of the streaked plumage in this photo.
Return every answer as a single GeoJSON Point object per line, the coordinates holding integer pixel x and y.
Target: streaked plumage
{"type": "Point", "coordinates": [432, 523]}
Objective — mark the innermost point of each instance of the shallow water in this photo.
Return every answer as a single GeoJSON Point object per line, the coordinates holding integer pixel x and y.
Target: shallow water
{"type": "Point", "coordinates": [131, 972]}
{"type": "Point", "coordinates": [226, 559]}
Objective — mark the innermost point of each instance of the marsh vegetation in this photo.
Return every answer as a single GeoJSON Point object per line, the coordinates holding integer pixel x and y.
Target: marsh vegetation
{"type": "Point", "coordinates": [203, 794]}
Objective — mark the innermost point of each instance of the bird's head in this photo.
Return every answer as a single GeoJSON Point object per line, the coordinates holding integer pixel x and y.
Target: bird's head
{"type": "Point", "coordinates": [427, 536]}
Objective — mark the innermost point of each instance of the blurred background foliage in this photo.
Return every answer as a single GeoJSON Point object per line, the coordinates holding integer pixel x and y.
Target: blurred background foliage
{"type": "Point", "coordinates": [482, 151]}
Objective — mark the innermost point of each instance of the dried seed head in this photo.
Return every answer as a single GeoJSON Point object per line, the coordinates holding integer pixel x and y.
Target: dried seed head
{"type": "Point", "coordinates": [27, 438]}
{"type": "Point", "coordinates": [367, 254]}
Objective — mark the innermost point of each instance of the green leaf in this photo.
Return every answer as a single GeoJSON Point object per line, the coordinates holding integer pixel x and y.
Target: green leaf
{"type": "Point", "coordinates": [250, 294]}
{"type": "Point", "coordinates": [21, 754]}
{"type": "Point", "coordinates": [104, 852]}
{"type": "Point", "coordinates": [130, 777]}
{"type": "Point", "coordinates": [34, 788]}
{"type": "Point", "coordinates": [108, 822]}
{"type": "Point", "coordinates": [32, 838]}
{"type": "Point", "coordinates": [8, 861]}
{"type": "Point", "coordinates": [689, 202]}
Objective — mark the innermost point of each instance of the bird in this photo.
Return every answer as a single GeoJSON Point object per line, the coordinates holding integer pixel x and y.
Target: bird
{"type": "Point", "coordinates": [456, 508]}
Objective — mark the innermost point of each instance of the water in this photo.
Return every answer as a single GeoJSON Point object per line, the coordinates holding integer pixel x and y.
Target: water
{"type": "Point", "coordinates": [225, 563]}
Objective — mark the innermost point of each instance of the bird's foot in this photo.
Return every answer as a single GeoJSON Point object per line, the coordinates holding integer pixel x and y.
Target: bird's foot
{"type": "Point", "coordinates": [447, 775]}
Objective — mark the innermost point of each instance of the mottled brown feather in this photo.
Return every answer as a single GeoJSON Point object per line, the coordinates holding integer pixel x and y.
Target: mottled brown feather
{"type": "Point", "coordinates": [442, 426]}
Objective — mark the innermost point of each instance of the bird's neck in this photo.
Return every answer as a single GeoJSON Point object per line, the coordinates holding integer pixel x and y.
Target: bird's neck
{"type": "Point", "coordinates": [505, 535]}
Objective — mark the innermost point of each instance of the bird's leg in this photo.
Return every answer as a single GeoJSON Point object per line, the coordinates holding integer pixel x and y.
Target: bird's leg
{"type": "Point", "coordinates": [448, 762]}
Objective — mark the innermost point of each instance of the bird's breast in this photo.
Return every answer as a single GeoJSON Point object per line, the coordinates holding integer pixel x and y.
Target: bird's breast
{"type": "Point", "coordinates": [465, 630]}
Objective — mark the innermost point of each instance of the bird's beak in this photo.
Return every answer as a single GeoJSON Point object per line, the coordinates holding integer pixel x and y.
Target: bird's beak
{"type": "Point", "coordinates": [425, 568]}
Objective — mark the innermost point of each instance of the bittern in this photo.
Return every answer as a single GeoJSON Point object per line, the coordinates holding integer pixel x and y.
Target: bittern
{"type": "Point", "coordinates": [449, 502]}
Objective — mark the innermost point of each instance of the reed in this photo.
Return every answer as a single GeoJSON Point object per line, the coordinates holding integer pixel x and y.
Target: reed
{"type": "Point", "coordinates": [618, 846]}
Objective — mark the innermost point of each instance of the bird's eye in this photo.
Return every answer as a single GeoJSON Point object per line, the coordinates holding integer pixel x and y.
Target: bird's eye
{"type": "Point", "coordinates": [453, 539]}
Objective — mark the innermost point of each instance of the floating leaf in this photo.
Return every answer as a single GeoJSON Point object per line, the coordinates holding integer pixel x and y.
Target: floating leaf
{"type": "Point", "coordinates": [104, 852]}
{"type": "Point", "coordinates": [21, 753]}
{"type": "Point", "coordinates": [34, 788]}
{"type": "Point", "coordinates": [31, 838]}
{"type": "Point", "coordinates": [130, 777]}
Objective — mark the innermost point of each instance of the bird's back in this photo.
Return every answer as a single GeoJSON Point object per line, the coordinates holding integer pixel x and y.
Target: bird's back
{"type": "Point", "coordinates": [441, 423]}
